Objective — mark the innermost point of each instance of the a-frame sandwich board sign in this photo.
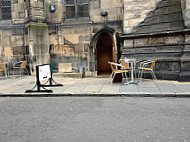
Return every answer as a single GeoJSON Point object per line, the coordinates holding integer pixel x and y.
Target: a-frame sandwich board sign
{"type": "Point", "coordinates": [43, 72]}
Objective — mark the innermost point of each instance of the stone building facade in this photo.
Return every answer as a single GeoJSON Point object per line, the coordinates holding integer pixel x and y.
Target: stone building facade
{"type": "Point", "coordinates": [159, 29]}
{"type": "Point", "coordinates": [60, 31]}
{"type": "Point", "coordinates": [89, 33]}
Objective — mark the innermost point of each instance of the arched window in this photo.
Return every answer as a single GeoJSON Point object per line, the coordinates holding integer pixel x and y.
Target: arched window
{"type": "Point", "coordinates": [5, 9]}
{"type": "Point", "coordinates": [77, 9]}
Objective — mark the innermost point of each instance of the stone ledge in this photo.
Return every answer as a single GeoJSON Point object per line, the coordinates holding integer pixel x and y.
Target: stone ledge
{"type": "Point", "coordinates": [70, 75]}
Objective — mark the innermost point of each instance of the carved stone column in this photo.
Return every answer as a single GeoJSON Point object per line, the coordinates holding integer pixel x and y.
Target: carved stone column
{"type": "Point", "coordinates": [185, 59]}
{"type": "Point", "coordinates": [186, 12]}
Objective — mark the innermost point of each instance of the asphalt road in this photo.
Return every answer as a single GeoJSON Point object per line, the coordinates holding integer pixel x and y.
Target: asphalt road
{"type": "Point", "coordinates": [94, 119]}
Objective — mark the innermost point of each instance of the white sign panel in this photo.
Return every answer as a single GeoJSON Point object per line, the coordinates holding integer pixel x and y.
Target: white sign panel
{"type": "Point", "coordinates": [44, 72]}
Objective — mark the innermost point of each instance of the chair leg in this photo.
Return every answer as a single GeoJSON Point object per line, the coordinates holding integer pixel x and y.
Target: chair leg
{"type": "Point", "coordinates": [122, 74]}
{"type": "Point", "coordinates": [111, 76]}
{"type": "Point", "coordinates": [26, 71]}
{"type": "Point", "coordinates": [135, 70]}
{"type": "Point", "coordinates": [7, 73]}
{"type": "Point", "coordinates": [126, 76]}
{"type": "Point", "coordinates": [13, 72]}
{"type": "Point", "coordinates": [153, 75]}
{"type": "Point", "coordinates": [141, 75]}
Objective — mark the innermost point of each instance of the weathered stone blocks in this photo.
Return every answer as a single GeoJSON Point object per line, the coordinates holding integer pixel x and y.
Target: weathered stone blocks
{"type": "Point", "coordinates": [65, 67]}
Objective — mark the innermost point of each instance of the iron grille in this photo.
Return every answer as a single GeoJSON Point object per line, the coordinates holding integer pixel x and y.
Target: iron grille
{"type": "Point", "coordinates": [77, 9]}
{"type": "Point", "coordinates": [82, 1]}
{"type": "Point", "coordinates": [83, 10]}
{"type": "Point", "coordinates": [70, 9]}
{"type": "Point", "coordinates": [6, 9]}
{"type": "Point", "coordinates": [70, 12]}
{"type": "Point", "coordinates": [70, 2]}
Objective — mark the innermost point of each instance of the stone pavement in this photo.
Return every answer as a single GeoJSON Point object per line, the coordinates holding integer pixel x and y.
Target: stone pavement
{"type": "Point", "coordinates": [96, 86]}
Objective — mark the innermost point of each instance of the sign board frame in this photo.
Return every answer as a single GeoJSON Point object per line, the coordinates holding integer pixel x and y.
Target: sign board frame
{"type": "Point", "coordinates": [43, 72]}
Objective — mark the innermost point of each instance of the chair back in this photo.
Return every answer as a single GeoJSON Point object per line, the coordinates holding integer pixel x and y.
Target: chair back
{"type": "Point", "coordinates": [2, 66]}
{"type": "Point", "coordinates": [153, 64]}
{"type": "Point", "coordinates": [23, 65]}
{"type": "Point", "coordinates": [111, 65]}
{"type": "Point", "coordinates": [125, 64]}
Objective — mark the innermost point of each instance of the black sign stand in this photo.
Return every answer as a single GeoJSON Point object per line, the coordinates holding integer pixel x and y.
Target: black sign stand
{"type": "Point", "coordinates": [39, 85]}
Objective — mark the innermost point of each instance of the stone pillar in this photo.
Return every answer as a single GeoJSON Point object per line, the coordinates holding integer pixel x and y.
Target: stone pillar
{"type": "Point", "coordinates": [31, 57]}
{"type": "Point", "coordinates": [185, 59]}
{"type": "Point", "coordinates": [186, 12]}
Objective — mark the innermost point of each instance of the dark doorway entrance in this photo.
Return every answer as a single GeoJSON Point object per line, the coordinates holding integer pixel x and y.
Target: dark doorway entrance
{"type": "Point", "coordinates": [104, 54]}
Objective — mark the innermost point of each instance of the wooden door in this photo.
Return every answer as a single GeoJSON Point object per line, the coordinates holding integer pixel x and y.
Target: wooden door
{"type": "Point", "coordinates": [104, 54]}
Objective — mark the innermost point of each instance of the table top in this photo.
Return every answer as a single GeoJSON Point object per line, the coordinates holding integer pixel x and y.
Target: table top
{"type": "Point", "coordinates": [130, 60]}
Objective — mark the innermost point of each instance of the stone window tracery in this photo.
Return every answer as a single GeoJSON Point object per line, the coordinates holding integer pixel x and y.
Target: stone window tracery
{"type": "Point", "coordinates": [5, 9]}
{"type": "Point", "coordinates": [77, 9]}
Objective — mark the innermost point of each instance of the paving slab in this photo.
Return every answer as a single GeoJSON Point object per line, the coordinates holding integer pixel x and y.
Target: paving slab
{"type": "Point", "coordinates": [96, 86]}
{"type": "Point", "coordinates": [131, 88]}
{"type": "Point", "coordinates": [184, 87]}
{"type": "Point", "coordinates": [110, 88]}
{"type": "Point", "coordinates": [167, 87]}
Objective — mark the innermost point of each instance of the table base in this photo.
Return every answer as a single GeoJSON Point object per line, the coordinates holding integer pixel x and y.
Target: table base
{"type": "Point", "coordinates": [132, 82]}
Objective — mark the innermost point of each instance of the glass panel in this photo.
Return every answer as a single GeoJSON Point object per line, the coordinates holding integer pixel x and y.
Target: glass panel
{"type": "Point", "coordinates": [83, 1]}
{"type": "Point", "coordinates": [6, 9]}
{"type": "Point", "coordinates": [70, 12]}
{"type": "Point", "coordinates": [6, 3]}
{"type": "Point", "coordinates": [83, 10]}
{"type": "Point", "coordinates": [70, 2]}
{"type": "Point", "coordinates": [6, 13]}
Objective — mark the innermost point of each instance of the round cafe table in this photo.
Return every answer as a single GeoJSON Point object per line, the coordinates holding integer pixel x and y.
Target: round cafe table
{"type": "Point", "coordinates": [132, 62]}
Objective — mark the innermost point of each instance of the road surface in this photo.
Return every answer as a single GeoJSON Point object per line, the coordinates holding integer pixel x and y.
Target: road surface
{"type": "Point", "coordinates": [94, 119]}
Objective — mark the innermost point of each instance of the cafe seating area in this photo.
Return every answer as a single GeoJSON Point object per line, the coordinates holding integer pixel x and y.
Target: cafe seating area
{"type": "Point", "coordinates": [21, 65]}
{"type": "Point", "coordinates": [132, 67]}
{"type": "Point", "coordinates": [131, 70]}
{"type": "Point", "coordinates": [115, 70]}
{"type": "Point", "coordinates": [10, 69]}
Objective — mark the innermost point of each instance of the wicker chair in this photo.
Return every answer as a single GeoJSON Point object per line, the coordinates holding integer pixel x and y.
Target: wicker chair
{"type": "Point", "coordinates": [4, 69]}
{"type": "Point", "coordinates": [21, 65]}
{"type": "Point", "coordinates": [147, 65]}
{"type": "Point", "coordinates": [115, 70]}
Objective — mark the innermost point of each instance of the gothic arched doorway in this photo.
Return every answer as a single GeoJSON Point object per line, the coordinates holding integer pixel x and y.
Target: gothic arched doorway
{"type": "Point", "coordinates": [104, 53]}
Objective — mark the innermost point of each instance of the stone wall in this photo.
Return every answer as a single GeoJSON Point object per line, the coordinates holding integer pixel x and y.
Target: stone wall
{"type": "Point", "coordinates": [185, 59]}
{"type": "Point", "coordinates": [159, 34]}
{"type": "Point", "coordinates": [167, 49]}
{"type": "Point", "coordinates": [20, 11]}
{"type": "Point", "coordinates": [12, 42]}
{"type": "Point", "coordinates": [70, 39]}
{"type": "Point", "coordinates": [114, 9]}
{"type": "Point", "coordinates": [135, 11]}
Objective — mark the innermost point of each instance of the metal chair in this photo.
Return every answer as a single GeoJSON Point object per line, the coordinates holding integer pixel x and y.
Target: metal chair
{"type": "Point", "coordinates": [147, 65]}
{"type": "Point", "coordinates": [115, 70]}
{"type": "Point", "coordinates": [3, 69]}
{"type": "Point", "coordinates": [21, 65]}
